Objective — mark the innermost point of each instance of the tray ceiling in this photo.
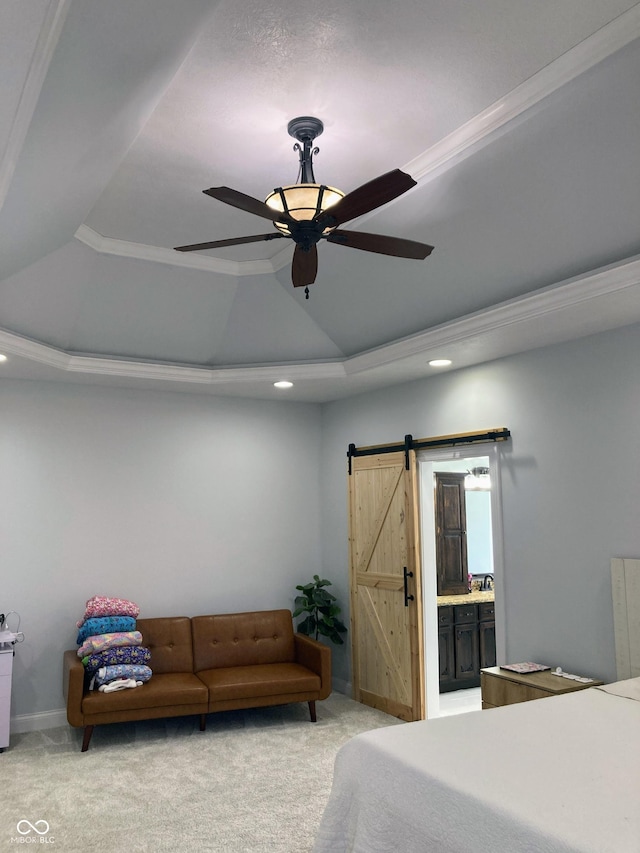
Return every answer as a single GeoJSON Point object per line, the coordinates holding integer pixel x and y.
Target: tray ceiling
{"type": "Point", "coordinates": [518, 120]}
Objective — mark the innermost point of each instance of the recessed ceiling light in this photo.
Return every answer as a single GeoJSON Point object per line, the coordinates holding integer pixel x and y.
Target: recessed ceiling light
{"type": "Point", "coordinates": [2, 357]}
{"type": "Point", "coordinates": [283, 383]}
{"type": "Point", "coordinates": [440, 362]}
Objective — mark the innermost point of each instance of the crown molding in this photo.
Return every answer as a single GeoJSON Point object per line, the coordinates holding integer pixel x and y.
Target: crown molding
{"type": "Point", "coordinates": [50, 30]}
{"type": "Point", "coordinates": [570, 294]}
{"type": "Point", "coordinates": [566, 295]}
{"type": "Point", "coordinates": [160, 255]}
{"type": "Point", "coordinates": [217, 376]}
{"type": "Point", "coordinates": [34, 350]}
{"type": "Point", "coordinates": [67, 362]}
{"type": "Point", "coordinates": [463, 141]}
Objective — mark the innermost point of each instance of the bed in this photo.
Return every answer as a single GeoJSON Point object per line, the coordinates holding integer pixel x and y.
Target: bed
{"type": "Point", "coordinates": [557, 775]}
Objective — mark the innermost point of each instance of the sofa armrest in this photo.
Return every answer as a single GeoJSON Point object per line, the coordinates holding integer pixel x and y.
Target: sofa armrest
{"type": "Point", "coordinates": [316, 657]}
{"type": "Point", "coordinates": [73, 686]}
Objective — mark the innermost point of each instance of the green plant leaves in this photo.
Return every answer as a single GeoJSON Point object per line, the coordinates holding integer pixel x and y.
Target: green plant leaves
{"type": "Point", "coordinates": [308, 626]}
{"type": "Point", "coordinates": [321, 612]}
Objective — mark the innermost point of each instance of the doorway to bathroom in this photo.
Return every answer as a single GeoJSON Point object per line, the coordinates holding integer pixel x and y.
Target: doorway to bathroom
{"type": "Point", "coordinates": [482, 535]}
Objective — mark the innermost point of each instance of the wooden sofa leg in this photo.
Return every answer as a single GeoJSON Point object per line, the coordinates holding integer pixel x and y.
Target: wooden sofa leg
{"type": "Point", "coordinates": [88, 731]}
{"type": "Point", "coordinates": [203, 722]}
{"type": "Point", "coordinates": [312, 710]}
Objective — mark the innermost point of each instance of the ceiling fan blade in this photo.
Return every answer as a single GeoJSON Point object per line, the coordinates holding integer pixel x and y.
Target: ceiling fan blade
{"type": "Point", "coordinates": [234, 241]}
{"type": "Point", "coordinates": [246, 202]}
{"type": "Point", "coordinates": [368, 197]}
{"type": "Point", "coordinates": [304, 267]}
{"type": "Point", "coordinates": [382, 245]}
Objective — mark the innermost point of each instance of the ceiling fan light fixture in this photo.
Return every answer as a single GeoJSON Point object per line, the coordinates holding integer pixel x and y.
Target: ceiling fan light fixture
{"type": "Point", "coordinates": [307, 212]}
{"type": "Point", "coordinates": [306, 199]}
{"type": "Point", "coordinates": [303, 202]}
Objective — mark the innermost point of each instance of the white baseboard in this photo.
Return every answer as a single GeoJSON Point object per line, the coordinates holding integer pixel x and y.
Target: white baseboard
{"type": "Point", "coordinates": [36, 722]}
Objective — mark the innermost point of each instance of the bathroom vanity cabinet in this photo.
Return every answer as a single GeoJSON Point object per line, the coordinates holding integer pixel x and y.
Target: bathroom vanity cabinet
{"type": "Point", "coordinates": [466, 643]}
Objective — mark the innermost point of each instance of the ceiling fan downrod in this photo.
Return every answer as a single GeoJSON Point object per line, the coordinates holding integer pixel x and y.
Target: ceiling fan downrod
{"type": "Point", "coordinates": [305, 129]}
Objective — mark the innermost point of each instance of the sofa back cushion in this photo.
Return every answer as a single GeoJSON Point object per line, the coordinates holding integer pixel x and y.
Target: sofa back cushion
{"type": "Point", "coordinates": [169, 640]}
{"type": "Point", "coordinates": [242, 639]}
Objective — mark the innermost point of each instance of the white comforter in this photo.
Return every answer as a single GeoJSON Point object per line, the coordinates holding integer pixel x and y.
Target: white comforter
{"type": "Point", "coordinates": [556, 775]}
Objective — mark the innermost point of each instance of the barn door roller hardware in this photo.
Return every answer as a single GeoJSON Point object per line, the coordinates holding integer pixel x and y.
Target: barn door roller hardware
{"type": "Point", "coordinates": [409, 443]}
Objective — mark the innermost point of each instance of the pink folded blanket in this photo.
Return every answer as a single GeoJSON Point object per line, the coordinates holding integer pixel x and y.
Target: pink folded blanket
{"type": "Point", "coordinates": [102, 605]}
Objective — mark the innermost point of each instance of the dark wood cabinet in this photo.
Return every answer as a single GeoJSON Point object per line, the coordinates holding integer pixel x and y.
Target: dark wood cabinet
{"type": "Point", "coordinates": [446, 654]}
{"type": "Point", "coordinates": [466, 644]}
{"type": "Point", "coordinates": [467, 660]}
{"type": "Point", "coordinates": [451, 534]}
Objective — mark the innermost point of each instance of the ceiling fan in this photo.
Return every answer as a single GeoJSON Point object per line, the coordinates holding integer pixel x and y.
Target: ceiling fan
{"type": "Point", "coordinates": [307, 212]}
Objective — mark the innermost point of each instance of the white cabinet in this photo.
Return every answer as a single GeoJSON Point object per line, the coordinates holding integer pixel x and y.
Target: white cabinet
{"type": "Point", "coordinates": [6, 667]}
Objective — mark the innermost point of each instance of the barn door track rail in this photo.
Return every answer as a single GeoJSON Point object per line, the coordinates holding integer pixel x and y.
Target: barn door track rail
{"type": "Point", "coordinates": [409, 443]}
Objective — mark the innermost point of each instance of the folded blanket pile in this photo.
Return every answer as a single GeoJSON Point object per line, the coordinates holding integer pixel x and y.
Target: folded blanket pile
{"type": "Point", "coordinates": [105, 625]}
{"type": "Point", "coordinates": [101, 642]}
{"type": "Point", "coordinates": [101, 605]}
{"type": "Point", "coordinates": [116, 656]}
{"type": "Point", "coordinates": [108, 675]}
{"type": "Point", "coordinates": [110, 646]}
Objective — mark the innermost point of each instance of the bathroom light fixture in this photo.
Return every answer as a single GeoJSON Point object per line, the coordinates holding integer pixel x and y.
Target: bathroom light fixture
{"type": "Point", "coordinates": [283, 383]}
{"type": "Point", "coordinates": [440, 362]}
{"type": "Point", "coordinates": [477, 480]}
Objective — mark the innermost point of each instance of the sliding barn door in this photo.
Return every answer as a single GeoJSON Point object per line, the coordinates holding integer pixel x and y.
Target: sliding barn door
{"type": "Point", "coordinates": [386, 593]}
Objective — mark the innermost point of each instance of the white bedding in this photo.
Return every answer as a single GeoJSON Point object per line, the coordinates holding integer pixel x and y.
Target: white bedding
{"type": "Point", "coordinates": [551, 776]}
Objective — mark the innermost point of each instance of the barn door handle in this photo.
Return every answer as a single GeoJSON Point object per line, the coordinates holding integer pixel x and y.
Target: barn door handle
{"type": "Point", "coordinates": [407, 597]}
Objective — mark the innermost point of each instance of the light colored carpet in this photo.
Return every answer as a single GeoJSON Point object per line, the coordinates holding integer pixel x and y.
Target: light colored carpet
{"type": "Point", "coordinates": [255, 782]}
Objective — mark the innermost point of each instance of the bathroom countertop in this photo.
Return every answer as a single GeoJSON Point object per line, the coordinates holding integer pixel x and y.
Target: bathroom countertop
{"type": "Point", "coordinates": [476, 597]}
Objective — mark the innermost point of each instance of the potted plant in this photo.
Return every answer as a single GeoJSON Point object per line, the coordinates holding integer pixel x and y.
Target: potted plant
{"type": "Point", "coordinates": [321, 611]}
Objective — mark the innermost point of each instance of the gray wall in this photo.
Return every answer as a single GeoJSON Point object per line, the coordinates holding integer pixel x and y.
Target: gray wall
{"type": "Point", "coordinates": [570, 482]}
{"type": "Point", "coordinates": [184, 504]}
{"type": "Point", "coordinates": [193, 504]}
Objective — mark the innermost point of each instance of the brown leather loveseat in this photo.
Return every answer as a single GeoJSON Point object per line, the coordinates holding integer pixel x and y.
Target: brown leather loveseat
{"type": "Point", "coordinates": [204, 664]}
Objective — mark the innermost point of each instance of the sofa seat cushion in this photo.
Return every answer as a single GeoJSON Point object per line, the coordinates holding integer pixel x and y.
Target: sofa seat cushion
{"type": "Point", "coordinates": [254, 682]}
{"type": "Point", "coordinates": [162, 690]}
